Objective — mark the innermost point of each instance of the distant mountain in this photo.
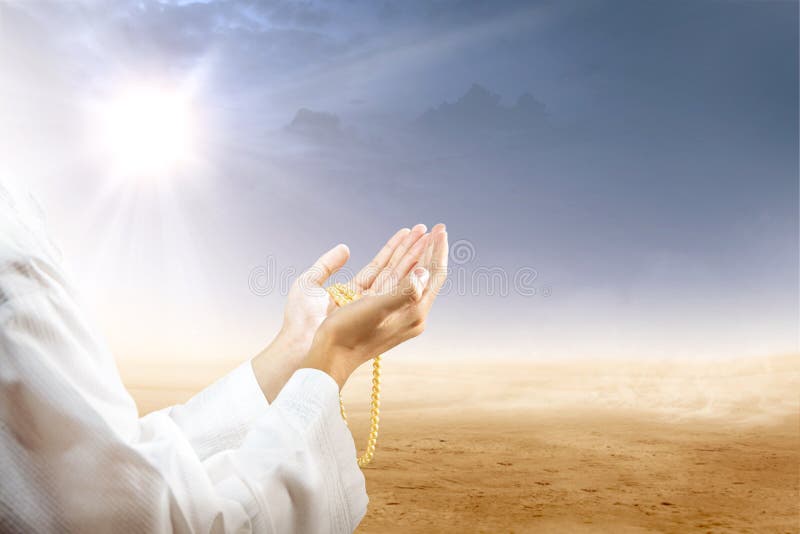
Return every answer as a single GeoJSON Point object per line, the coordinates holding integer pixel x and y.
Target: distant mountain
{"type": "Point", "coordinates": [479, 109]}
{"type": "Point", "coordinates": [317, 125]}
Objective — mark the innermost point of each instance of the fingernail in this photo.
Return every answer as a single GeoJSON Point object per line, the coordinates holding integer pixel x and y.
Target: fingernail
{"type": "Point", "coordinates": [422, 275]}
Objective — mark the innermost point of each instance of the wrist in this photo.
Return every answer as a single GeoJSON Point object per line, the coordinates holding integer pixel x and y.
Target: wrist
{"type": "Point", "coordinates": [289, 344]}
{"type": "Point", "coordinates": [277, 362]}
{"type": "Point", "coordinates": [327, 359]}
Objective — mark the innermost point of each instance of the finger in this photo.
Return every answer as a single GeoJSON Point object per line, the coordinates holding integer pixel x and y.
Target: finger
{"type": "Point", "coordinates": [384, 277]}
{"type": "Point", "coordinates": [411, 258]}
{"type": "Point", "coordinates": [423, 275]}
{"type": "Point", "coordinates": [416, 233]}
{"type": "Point", "coordinates": [408, 290]}
{"type": "Point", "coordinates": [438, 266]}
{"type": "Point", "coordinates": [366, 276]}
{"type": "Point", "coordinates": [326, 265]}
{"type": "Point", "coordinates": [389, 279]}
{"type": "Point", "coordinates": [413, 285]}
{"type": "Point", "coordinates": [370, 311]}
{"type": "Point", "coordinates": [426, 257]}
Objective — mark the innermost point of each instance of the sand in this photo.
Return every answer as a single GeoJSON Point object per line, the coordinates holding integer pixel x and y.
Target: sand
{"type": "Point", "coordinates": [571, 447]}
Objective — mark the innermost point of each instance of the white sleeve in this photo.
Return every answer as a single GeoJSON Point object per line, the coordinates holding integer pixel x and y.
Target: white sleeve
{"type": "Point", "coordinates": [220, 416]}
{"type": "Point", "coordinates": [303, 477]}
{"type": "Point", "coordinates": [294, 472]}
{"type": "Point", "coordinates": [65, 468]}
{"type": "Point", "coordinates": [75, 457]}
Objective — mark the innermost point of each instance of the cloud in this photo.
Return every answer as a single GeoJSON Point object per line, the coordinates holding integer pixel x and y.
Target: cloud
{"type": "Point", "coordinates": [478, 121]}
{"type": "Point", "coordinates": [481, 110]}
{"type": "Point", "coordinates": [317, 126]}
{"type": "Point", "coordinates": [251, 40]}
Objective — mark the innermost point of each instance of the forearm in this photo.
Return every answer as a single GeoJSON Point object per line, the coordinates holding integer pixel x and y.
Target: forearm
{"type": "Point", "coordinates": [274, 365]}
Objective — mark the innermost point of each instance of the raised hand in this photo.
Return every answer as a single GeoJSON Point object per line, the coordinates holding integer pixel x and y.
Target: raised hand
{"type": "Point", "coordinates": [308, 304]}
{"type": "Point", "coordinates": [393, 310]}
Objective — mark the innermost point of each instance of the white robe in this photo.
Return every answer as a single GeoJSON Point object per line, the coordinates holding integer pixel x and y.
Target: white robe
{"type": "Point", "coordinates": [75, 456]}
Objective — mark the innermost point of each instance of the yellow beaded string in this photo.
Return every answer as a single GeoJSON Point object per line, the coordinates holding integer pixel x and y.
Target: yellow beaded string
{"type": "Point", "coordinates": [343, 295]}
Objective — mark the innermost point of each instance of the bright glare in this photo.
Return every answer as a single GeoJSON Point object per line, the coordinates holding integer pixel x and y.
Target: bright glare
{"type": "Point", "coordinates": [148, 131]}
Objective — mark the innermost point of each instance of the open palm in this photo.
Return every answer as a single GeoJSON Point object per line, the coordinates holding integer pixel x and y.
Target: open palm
{"type": "Point", "coordinates": [308, 303]}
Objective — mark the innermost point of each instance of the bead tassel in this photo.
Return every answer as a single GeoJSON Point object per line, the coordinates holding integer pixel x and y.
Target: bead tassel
{"type": "Point", "coordinates": [342, 295]}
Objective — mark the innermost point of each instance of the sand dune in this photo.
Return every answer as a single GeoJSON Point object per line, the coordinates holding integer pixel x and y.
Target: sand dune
{"type": "Point", "coordinates": [577, 446]}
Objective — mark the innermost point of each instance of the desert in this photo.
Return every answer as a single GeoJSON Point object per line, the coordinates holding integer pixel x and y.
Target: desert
{"type": "Point", "coordinates": [566, 446]}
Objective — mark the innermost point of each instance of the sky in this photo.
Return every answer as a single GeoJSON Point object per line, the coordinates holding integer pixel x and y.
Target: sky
{"type": "Point", "coordinates": [619, 179]}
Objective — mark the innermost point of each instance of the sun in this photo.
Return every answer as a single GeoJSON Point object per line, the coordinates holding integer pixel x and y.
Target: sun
{"type": "Point", "coordinates": [148, 131]}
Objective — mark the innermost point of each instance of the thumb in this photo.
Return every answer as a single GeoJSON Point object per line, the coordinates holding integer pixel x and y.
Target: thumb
{"type": "Point", "coordinates": [326, 265]}
{"type": "Point", "coordinates": [409, 290]}
{"type": "Point", "coordinates": [422, 276]}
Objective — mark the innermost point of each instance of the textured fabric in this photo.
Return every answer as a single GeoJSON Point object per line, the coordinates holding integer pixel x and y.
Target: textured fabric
{"type": "Point", "coordinates": [220, 416]}
{"type": "Point", "coordinates": [75, 457]}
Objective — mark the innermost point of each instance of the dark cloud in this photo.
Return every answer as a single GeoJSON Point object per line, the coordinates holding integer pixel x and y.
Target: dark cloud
{"type": "Point", "coordinates": [317, 126]}
{"type": "Point", "coordinates": [480, 109]}
{"type": "Point", "coordinates": [477, 116]}
{"type": "Point", "coordinates": [479, 124]}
